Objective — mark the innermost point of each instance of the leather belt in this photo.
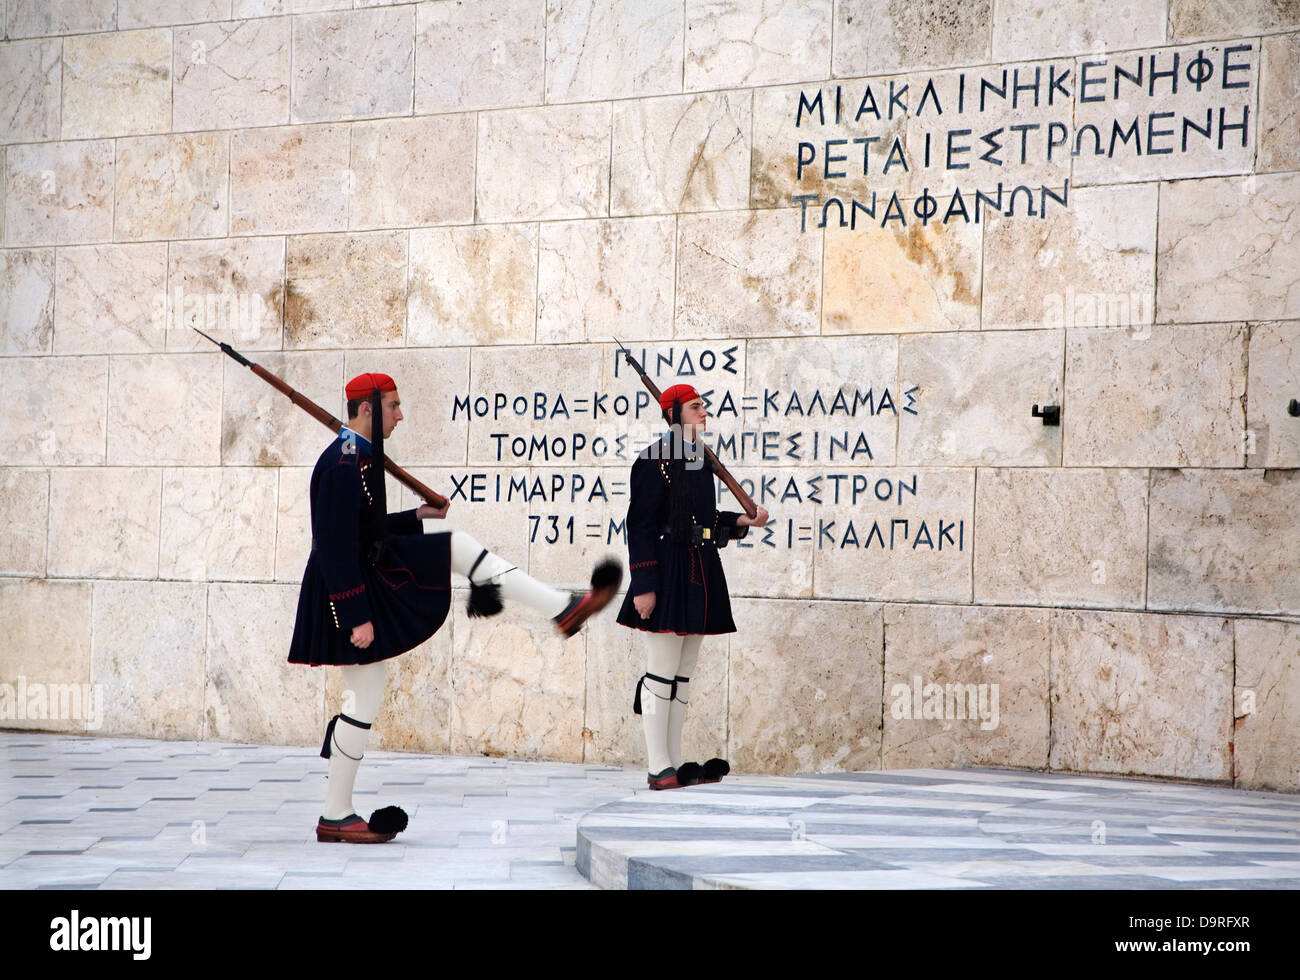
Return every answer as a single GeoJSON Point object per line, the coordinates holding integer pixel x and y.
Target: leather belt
{"type": "Point", "coordinates": [700, 534]}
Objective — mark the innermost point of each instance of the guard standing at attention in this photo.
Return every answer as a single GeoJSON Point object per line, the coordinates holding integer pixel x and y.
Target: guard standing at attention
{"type": "Point", "coordinates": [678, 593]}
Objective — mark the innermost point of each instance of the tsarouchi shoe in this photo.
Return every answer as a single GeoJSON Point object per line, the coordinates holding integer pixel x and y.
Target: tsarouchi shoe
{"type": "Point", "coordinates": [664, 780]}
{"type": "Point", "coordinates": [383, 826]}
{"type": "Point", "coordinates": [605, 580]}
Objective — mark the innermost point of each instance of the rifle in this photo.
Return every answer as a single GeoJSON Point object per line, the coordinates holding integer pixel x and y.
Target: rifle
{"type": "Point", "coordinates": [328, 420]}
{"type": "Point", "coordinates": [745, 500]}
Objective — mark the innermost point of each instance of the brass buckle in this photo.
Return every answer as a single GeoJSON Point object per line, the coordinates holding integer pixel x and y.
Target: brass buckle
{"type": "Point", "coordinates": [706, 533]}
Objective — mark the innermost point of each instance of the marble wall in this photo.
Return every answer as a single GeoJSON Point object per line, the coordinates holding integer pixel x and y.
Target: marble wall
{"type": "Point", "coordinates": [878, 235]}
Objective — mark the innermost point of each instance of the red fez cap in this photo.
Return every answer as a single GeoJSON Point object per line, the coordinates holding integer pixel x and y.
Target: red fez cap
{"type": "Point", "coordinates": [363, 385]}
{"type": "Point", "coordinates": [677, 393]}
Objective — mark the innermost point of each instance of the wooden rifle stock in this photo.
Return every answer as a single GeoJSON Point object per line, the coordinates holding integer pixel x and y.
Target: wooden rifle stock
{"type": "Point", "coordinates": [328, 420]}
{"type": "Point", "coordinates": [745, 500]}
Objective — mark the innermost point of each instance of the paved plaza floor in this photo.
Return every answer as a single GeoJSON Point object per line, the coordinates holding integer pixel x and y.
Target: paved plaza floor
{"type": "Point", "coordinates": [118, 813]}
{"type": "Point", "coordinates": [944, 829]}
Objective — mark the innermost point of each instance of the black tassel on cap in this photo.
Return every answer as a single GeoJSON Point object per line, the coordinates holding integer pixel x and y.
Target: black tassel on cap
{"type": "Point", "coordinates": [378, 488]}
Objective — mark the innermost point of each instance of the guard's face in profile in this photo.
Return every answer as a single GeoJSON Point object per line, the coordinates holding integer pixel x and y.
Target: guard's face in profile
{"type": "Point", "coordinates": [694, 416]}
{"type": "Point", "coordinates": [392, 412]}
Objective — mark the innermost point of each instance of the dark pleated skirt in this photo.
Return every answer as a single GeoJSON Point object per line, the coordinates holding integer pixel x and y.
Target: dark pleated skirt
{"type": "Point", "coordinates": [692, 597]}
{"type": "Point", "coordinates": [409, 589]}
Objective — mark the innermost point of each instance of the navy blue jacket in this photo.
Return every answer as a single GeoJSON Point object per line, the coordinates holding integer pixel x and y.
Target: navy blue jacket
{"type": "Point", "coordinates": [687, 580]}
{"type": "Point", "coordinates": [403, 589]}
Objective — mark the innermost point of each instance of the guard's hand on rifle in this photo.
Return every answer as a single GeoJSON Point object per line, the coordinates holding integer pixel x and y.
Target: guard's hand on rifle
{"type": "Point", "coordinates": [645, 604]}
{"type": "Point", "coordinates": [363, 635]}
{"type": "Point", "coordinates": [758, 520]}
{"type": "Point", "coordinates": [426, 512]}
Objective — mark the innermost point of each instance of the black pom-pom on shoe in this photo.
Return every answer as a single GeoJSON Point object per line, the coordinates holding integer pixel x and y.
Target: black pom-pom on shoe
{"type": "Point", "coordinates": [608, 573]}
{"type": "Point", "coordinates": [713, 770]}
{"type": "Point", "coordinates": [689, 773]}
{"type": "Point", "coordinates": [484, 600]}
{"type": "Point", "coordinates": [388, 820]}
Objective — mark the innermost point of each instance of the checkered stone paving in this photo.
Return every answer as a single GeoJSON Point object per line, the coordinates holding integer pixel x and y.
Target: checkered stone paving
{"type": "Point", "coordinates": [958, 829]}
{"type": "Point", "coordinates": [116, 813]}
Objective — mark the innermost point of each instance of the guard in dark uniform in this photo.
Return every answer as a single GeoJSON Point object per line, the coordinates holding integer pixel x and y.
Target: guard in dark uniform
{"type": "Point", "coordinates": [376, 586]}
{"type": "Point", "coordinates": [678, 592]}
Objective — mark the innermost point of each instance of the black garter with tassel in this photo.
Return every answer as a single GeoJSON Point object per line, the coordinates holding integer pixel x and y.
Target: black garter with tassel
{"type": "Point", "coordinates": [484, 599]}
{"type": "Point", "coordinates": [636, 702]}
{"type": "Point", "coordinates": [326, 750]}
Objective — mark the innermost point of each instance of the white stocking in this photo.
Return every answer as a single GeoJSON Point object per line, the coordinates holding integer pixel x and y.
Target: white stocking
{"type": "Point", "coordinates": [665, 653]}
{"type": "Point", "coordinates": [677, 710]}
{"type": "Point", "coordinates": [362, 697]}
{"type": "Point", "coordinates": [516, 585]}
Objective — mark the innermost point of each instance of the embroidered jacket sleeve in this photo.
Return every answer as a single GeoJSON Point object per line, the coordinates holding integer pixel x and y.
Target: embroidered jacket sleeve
{"type": "Point", "coordinates": [647, 513]}
{"type": "Point", "coordinates": [336, 525]}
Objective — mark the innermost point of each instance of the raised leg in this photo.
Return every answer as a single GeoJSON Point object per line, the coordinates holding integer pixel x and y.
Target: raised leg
{"type": "Point", "coordinates": [492, 578]}
{"type": "Point", "coordinates": [467, 556]}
